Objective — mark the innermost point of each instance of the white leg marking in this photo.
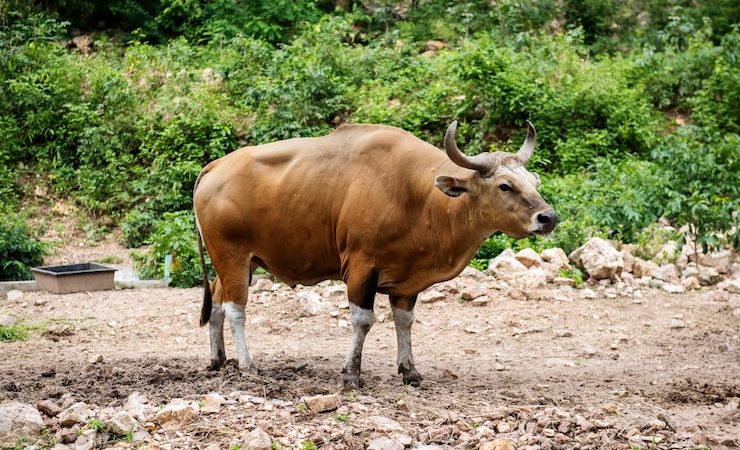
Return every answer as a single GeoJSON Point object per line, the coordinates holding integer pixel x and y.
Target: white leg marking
{"type": "Point", "coordinates": [362, 321]}
{"type": "Point", "coordinates": [216, 332]}
{"type": "Point", "coordinates": [235, 315]}
{"type": "Point", "coordinates": [403, 320]}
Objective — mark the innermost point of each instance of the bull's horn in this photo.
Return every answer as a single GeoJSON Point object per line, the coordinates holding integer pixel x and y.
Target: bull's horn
{"type": "Point", "coordinates": [525, 152]}
{"type": "Point", "coordinates": [459, 157]}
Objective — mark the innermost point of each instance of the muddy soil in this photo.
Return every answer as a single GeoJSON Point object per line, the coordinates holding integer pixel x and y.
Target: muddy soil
{"type": "Point", "coordinates": [674, 356]}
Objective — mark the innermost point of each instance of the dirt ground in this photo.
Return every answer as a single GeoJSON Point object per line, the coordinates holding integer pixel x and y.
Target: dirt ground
{"type": "Point", "coordinates": [674, 357]}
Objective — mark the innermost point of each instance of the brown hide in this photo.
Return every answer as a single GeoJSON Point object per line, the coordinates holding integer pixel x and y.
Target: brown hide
{"type": "Point", "coordinates": [359, 200]}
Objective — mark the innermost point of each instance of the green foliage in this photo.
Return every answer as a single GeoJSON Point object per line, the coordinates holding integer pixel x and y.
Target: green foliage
{"type": "Point", "coordinates": [96, 424]}
{"type": "Point", "coordinates": [173, 235]}
{"type": "Point", "coordinates": [574, 274]}
{"type": "Point", "coordinates": [16, 332]}
{"type": "Point", "coordinates": [19, 249]}
{"type": "Point", "coordinates": [308, 445]}
{"type": "Point", "coordinates": [649, 242]}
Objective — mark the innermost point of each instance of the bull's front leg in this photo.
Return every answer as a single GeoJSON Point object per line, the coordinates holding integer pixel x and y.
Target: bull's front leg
{"type": "Point", "coordinates": [403, 317]}
{"type": "Point", "coordinates": [361, 301]}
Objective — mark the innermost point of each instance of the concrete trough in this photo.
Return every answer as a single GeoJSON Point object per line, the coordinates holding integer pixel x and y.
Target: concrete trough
{"type": "Point", "coordinates": [74, 278]}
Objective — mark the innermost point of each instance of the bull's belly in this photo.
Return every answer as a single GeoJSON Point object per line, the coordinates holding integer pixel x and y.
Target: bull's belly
{"type": "Point", "coordinates": [293, 269]}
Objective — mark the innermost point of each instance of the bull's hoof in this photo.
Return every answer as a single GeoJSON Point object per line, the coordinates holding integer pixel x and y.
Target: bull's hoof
{"type": "Point", "coordinates": [352, 382]}
{"type": "Point", "coordinates": [217, 364]}
{"type": "Point", "coordinates": [410, 376]}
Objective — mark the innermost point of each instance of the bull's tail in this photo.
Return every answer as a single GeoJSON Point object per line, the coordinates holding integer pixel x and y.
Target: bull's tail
{"type": "Point", "coordinates": [205, 311]}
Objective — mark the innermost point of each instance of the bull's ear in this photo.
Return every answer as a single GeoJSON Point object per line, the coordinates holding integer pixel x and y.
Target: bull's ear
{"type": "Point", "coordinates": [451, 186]}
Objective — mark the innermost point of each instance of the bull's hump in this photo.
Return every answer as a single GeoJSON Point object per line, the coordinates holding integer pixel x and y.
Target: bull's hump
{"type": "Point", "coordinates": [364, 128]}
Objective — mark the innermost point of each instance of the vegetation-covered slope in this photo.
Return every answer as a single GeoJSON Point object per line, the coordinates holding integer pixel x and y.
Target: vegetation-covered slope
{"type": "Point", "coordinates": [637, 103]}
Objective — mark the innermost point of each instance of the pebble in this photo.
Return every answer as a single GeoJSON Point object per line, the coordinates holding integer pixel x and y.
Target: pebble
{"type": "Point", "coordinates": [14, 295]}
{"type": "Point", "coordinates": [563, 333]}
{"type": "Point", "coordinates": [322, 403]}
{"type": "Point", "coordinates": [677, 324]}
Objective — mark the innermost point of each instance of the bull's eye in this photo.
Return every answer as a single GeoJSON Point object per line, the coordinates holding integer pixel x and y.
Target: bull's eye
{"type": "Point", "coordinates": [504, 187]}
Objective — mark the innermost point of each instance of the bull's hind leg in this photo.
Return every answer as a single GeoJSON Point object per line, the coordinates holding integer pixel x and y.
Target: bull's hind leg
{"type": "Point", "coordinates": [234, 275]}
{"type": "Point", "coordinates": [361, 292]}
{"type": "Point", "coordinates": [216, 327]}
{"type": "Point", "coordinates": [403, 316]}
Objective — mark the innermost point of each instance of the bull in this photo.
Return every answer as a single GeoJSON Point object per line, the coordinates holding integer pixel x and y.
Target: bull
{"type": "Point", "coordinates": [371, 205]}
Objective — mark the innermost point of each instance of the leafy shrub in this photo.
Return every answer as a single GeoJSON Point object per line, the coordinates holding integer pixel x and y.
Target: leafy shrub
{"type": "Point", "coordinates": [19, 249]}
{"type": "Point", "coordinates": [174, 235]}
{"type": "Point", "coordinates": [137, 226]}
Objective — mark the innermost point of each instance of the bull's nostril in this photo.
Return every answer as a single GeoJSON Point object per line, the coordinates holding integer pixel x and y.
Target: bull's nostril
{"type": "Point", "coordinates": [544, 218]}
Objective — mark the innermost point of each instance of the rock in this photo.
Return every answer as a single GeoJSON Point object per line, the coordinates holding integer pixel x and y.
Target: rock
{"type": "Point", "coordinates": [263, 284]}
{"type": "Point", "coordinates": [212, 403]}
{"type": "Point", "coordinates": [731, 286]}
{"type": "Point", "coordinates": [322, 403]}
{"type": "Point", "coordinates": [529, 258]}
{"type": "Point", "coordinates": [384, 443]}
{"type": "Point", "coordinates": [18, 420]}
{"type": "Point", "coordinates": [95, 359]}
{"type": "Point", "coordinates": [505, 265]}
{"type": "Point", "coordinates": [563, 281]}
{"type": "Point", "coordinates": [430, 296]}
{"type": "Point", "coordinates": [629, 261]}
{"type": "Point", "coordinates": [135, 406]}
{"type": "Point", "coordinates": [691, 283]}
{"type": "Point", "coordinates": [588, 293]}
{"type": "Point", "coordinates": [583, 424]}
{"type": "Point", "coordinates": [530, 279]}
{"type": "Point", "coordinates": [473, 273]}
{"type": "Point", "coordinates": [86, 440]}
{"type": "Point", "coordinates": [472, 292]}
{"type": "Point", "coordinates": [599, 259]}
{"type": "Point", "coordinates": [83, 43]}
{"type": "Point", "coordinates": [563, 333]}
{"type": "Point", "coordinates": [481, 301]}
{"type": "Point", "coordinates": [49, 407]}
{"type": "Point", "coordinates": [121, 423]}
{"type": "Point", "coordinates": [556, 256]}
{"type": "Point", "coordinates": [673, 288]}
{"type": "Point", "coordinates": [76, 413]}
{"type": "Point", "coordinates": [177, 413]}
{"type": "Point", "coordinates": [61, 447]}
{"type": "Point", "coordinates": [497, 444]}
{"type": "Point", "coordinates": [668, 253]}
{"type": "Point", "coordinates": [517, 294]}
{"type": "Point", "coordinates": [503, 427]}
{"type": "Point", "coordinates": [721, 260]}
{"type": "Point", "coordinates": [14, 295]}
{"type": "Point", "coordinates": [677, 324]}
{"type": "Point", "coordinates": [708, 276]}
{"type": "Point", "coordinates": [312, 304]}
{"type": "Point", "coordinates": [667, 273]}
{"type": "Point", "coordinates": [642, 268]}
{"type": "Point", "coordinates": [7, 321]}
{"type": "Point", "coordinates": [381, 423]}
{"type": "Point", "coordinates": [257, 439]}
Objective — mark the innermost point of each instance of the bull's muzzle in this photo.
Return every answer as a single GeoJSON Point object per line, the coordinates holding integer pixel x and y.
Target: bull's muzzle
{"type": "Point", "coordinates": [546, 222]}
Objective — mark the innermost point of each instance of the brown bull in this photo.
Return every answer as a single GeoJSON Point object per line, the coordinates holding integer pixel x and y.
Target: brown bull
{"type": "Point", "coordinates": [371, 205]}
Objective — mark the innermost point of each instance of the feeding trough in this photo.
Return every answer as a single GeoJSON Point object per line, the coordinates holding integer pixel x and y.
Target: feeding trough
{"type": "Point", "coordinates": [74, 278]}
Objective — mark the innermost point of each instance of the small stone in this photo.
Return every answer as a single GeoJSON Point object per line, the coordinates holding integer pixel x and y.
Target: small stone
{"type": "Point", "coordinates": [311, 304]}
{"type": "Point", "coordinates": [583, 424]}
{"type": "Point", "coordinates": [176, 414]}
{"type": "Point", "coordinates": [517, 294]}
{"type": "Point", "coordinates": [49, 407]}
{"type": "Point", "coordinates": [481, 301]}
{"type": "Point", "coordinates": [14, 295]}
{"type": "Point", "coordinates": [588, 293]}
{"type": "Point", "coordinates": [548, 432]}
{"type": "Point", "coordinates": [555, 256]}
{"type": "Point", "coordinates": [18, 420]}
{"type": "Point", "coordinates": [503, 427]}
{"type": "Point", "coordinates": [76, 413]}
{"type": "Point", "coordinates": [95, 359]}
{"type": "Point", "coordinates": [563, 281]}
{"type": "Point", "coordinates": [430, 296]}
{"type": "Point", "coordinates": [322, 403]}
{"type": "Point", "coordinates": [472, 292]}
{"type": "Point", "coordinates": [673, 288]}
{"type": "Point", "coordinates": [691, 283]}
{"type": "Point", "coordinates": [121, 423]}
{"type": "Point", "coordinates": [381, 423]}
{"type": "Point", "coordinates": [263, 284]}
{"type": "Point", "coordinates": [86, 440]}
{"type": "Point", "coordinates": [7, 321]}
{"type": "Point", "coordinates": [529, 258]}
{"type": "Point", "coordinates": [212, 403]}
{"type": "Point", "coordinates": [257, 439]}
{"type": "Point", "coordinates": [384, 443]}
{"type": "Point", "coordinates": [563, 333]}
{"type": "Point", "coordinates": [134, 405]}
{"type": "Point", "coordinates": [497, 444]}
{"type": "Point", "coordinates": [677, 324]}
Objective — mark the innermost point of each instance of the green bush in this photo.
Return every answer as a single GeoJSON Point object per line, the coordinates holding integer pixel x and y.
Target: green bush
{"type": "Point", "coordinates": [19, 249]}
{"type": "Point", "coordinates": [173, 235]}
